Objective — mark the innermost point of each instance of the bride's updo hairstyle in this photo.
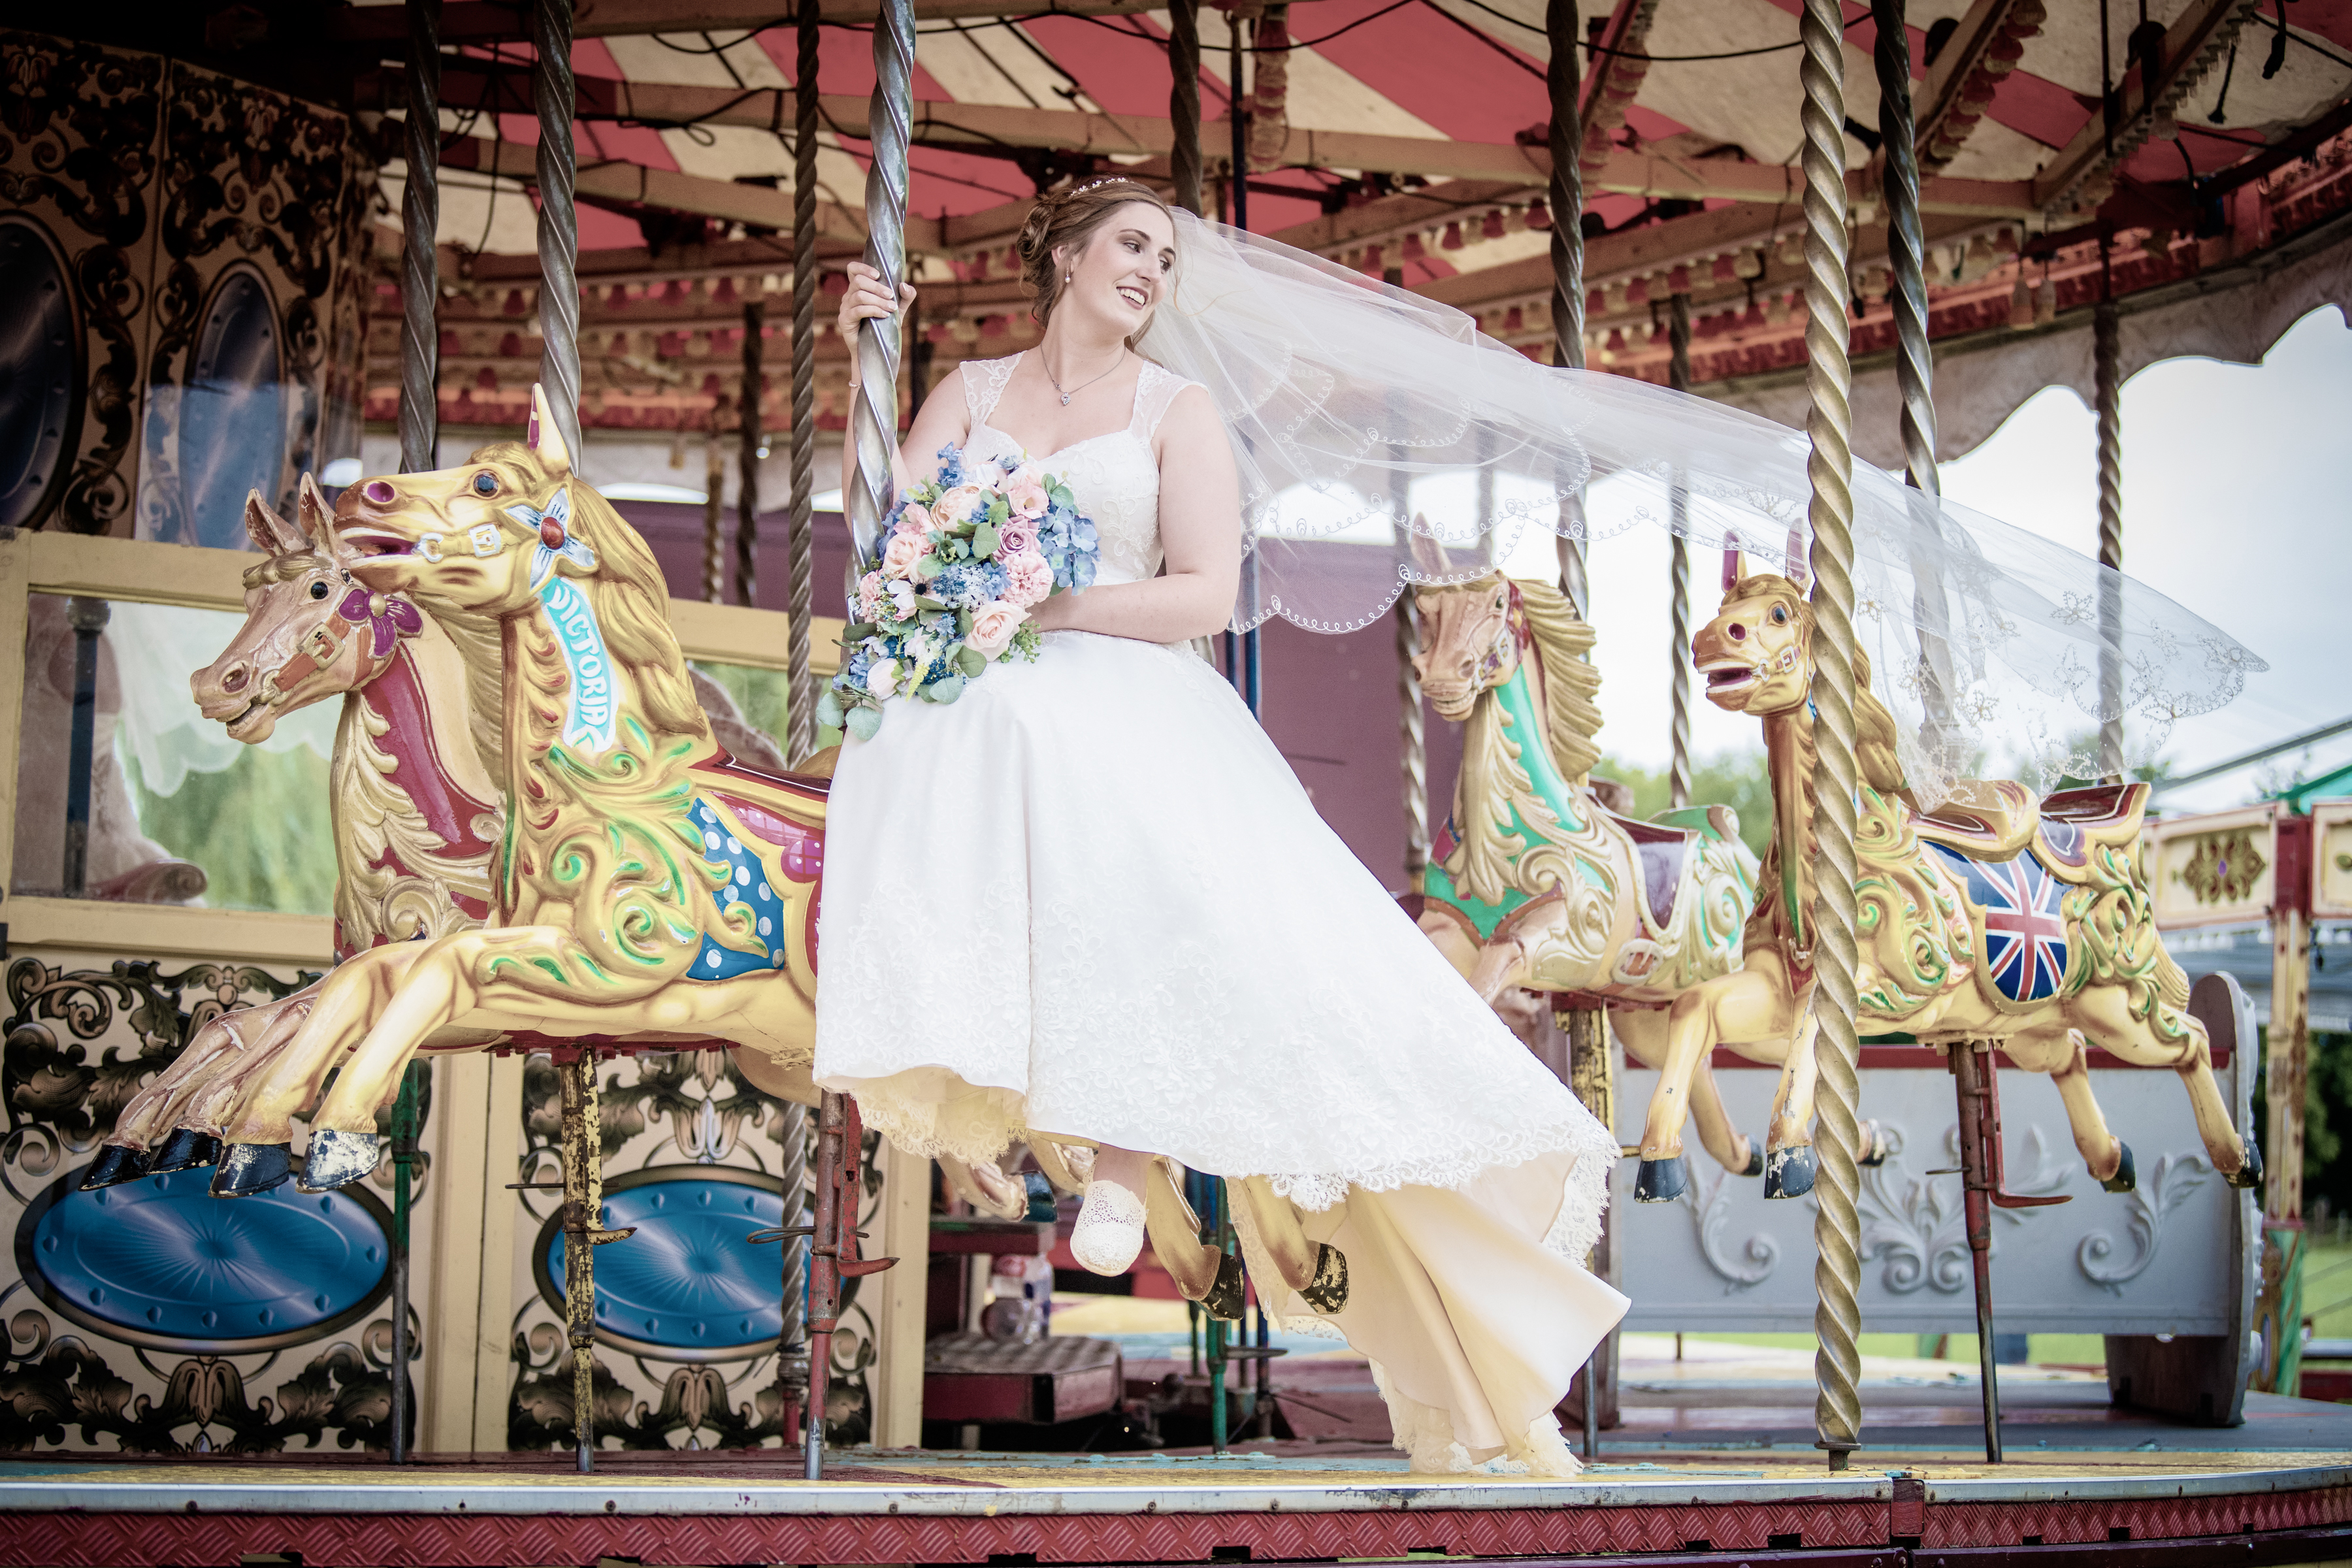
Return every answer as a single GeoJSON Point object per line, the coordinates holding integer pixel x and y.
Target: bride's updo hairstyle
{"type": "Point", "coordinates": [1069, 218]}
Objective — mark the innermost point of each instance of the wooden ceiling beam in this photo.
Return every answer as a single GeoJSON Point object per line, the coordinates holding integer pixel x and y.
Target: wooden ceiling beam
{"type": "Point", "coordinates": [2193, 45]}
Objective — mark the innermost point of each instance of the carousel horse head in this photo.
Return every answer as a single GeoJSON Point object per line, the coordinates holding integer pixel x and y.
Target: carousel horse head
{"type": "Point", "coordinates": [1471, 634]}
{"type": "Point", "coordinates": [495, 533]}
{"type": "Point", "coordinates": [311, 630]}
{"type": "Point", "coordinates": [1758, 652]}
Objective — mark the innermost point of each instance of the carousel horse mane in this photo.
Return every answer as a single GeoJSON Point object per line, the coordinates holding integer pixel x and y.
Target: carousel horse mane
{"type": "Point", "coordinates": [1571, 680]}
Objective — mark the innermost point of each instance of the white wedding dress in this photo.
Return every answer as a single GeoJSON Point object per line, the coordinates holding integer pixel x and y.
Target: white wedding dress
{"type": "Point", "coordinates": [1090, 899]}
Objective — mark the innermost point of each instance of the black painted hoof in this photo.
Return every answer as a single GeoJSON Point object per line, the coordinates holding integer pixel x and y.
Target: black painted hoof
{"type": "Point", "coordinates": [1328, 1291]}
{"type": "Point", "coordinates": [1660, 1181]}
{"type": "Point", "coordinates": [247, 1169]}
{"type": "Point", "coordinates": [115, 1163]}
{"type": "Point", "coordinates": [1755, 1166]}
{"type": "Point", "coordinates": [337, 1159]}
{"type": "Point", "coordinates": [1041, 1208]}
{"type": "Point", "coordinates": [1789, 1173]}
{"type": "Point", "coordinates": [1226, 1297]}
{"type": "Point", "coordinates": [2249, 1174]}
{"type": "Point", "coordinates": [1873, 1146]}
{"type": "Point", "coordinates": [2126, 1177]}
{"type": "Point", "coordinates": [185, 1149]}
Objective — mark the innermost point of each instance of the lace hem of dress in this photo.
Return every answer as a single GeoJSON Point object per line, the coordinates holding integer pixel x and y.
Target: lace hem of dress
{"type": "Point", "coordinates": [1426, 1433]}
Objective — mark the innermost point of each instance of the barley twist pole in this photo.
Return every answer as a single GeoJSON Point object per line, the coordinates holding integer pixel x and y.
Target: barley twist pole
{"type": "Point", "coordinates": [559, 220]}
{"type": "Point", "coordinates": [1567, 202]}
{"type": "Point", "coordinates": [1415, 742]}
{"type": "Point", "coordinates": [873, 419]}
{"type": "Point", "coordinates": [1837, 1270]}
{"type": "Point", "coordinates": [800, 565]}
{"type": "Point", "coordinates": [1678, 761]}
{"type": "Point", "coordinates": [2107, 391]}
{"type": "Point", "coordinates": [1915, 364]}
{"type": "Point", "coordinates": [1184, 101]}
{"type": "Point", "coordinates": [420, 219]}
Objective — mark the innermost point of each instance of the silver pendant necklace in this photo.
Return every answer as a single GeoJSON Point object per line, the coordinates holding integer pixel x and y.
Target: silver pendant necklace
{"type": "Point", "coordinates": [1082, 386]}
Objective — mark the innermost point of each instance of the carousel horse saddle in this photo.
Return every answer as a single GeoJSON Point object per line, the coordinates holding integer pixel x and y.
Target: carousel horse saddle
{"type": "Point", "coordinates": [1662, 852]}
{"type": "Point", "coordinates": [2075, 822]}
{"type": "Point", "coordinates": [1985, 820]}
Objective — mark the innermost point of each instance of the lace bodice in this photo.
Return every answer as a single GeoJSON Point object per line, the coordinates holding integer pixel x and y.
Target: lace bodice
{"type": "Point", "coordinates": [1114, 476]}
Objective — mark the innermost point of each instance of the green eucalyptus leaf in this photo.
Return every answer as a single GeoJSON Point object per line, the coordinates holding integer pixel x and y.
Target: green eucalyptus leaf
{"type": "Point", "coordinates": [971, 660]}
{"type": "Point", "coordinates": [985, 541]}
{"type": "Point", "coordinates": [863, 722]}
{"type": "Point", "coordinates": [828, 709]}
{"type": "Point", "coordinates": [929, 567]}
{"type": "Point", "coordinates": [946, 688]}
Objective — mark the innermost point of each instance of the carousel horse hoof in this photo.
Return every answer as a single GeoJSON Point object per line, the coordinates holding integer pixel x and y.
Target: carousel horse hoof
{"type": "Point", "coordinates": [1042, 1209]}
{"type": "Point", "coordinates": [1328, 1291]}
{"type": "Point", "coordinates": [1110, 1232]}
{"type": "Point", "coordinates": [1873, 1146]}
{"type": "Point", "coordinates": [2249, 1174]}
{"type": "Point", "coordinates": [2125, 1178]}
{"type": "Point", "coordinates": [247, 1169]}
{"type": "Point", "coordinates": [1228, 1297]}
{"type": "Point", "coordinates": [1660, 1181]}
{"type": "Point", "coordinates": [115, 1163]}
{"type": "Point", "coordinates": [1755, 1166]}
{"type": "Point", "coordinates": [185, 1149]}
{"type": "Point", "coordinates": [337, 1159]}
{"type": "Point", "coordinates": [1789, 1173]}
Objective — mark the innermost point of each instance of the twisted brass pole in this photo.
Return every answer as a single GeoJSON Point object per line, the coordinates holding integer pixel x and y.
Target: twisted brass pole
{"type": "Point", "coordinates": [874, 417]}
{"type": "Point", "coordinates": [1837, 1270]}
{"type": "Point", "coordinates": [792, 1153]}
{"type": "Point", "coordinates": [747, 494]}
{"type": "Point", "coordinates": [714, 483]}
{"type": "Point", "coordinates": [552, 98]}
{"type": "Point", "coordinates": [1567, 203]}
{"type": "Point", "coordinates": [2107, 391]}
{"type": "Point", "coordinates": [1184, 101]}
{"type": "Point", "coordinates": [420, 219]}
{"type": "Point", "coordinates": [1679, 760]}
{"type": "Point", "coordinates": [800, 558]}
{"type": "Point", "coordinates": [1915, 364]}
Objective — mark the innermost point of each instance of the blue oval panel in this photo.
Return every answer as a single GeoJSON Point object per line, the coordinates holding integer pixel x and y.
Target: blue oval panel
{"type": "Point", "coordinates": [232, 413]}
{"type": "Point", "coordinates": [162, 1260]}
{"type": "Point", "coordinates": [40, 370]}
{"type": "Point", "coordinates": [687, 1280]}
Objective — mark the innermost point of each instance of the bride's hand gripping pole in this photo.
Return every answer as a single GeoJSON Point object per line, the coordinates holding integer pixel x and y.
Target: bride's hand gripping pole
{"type": "Point", "coordinates": [873, 417]}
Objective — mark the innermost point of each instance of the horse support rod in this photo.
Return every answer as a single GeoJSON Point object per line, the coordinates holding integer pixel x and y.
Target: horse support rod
{"type": "Point", "coordinates": [824, 1271]}
{"type": "Point", "coordinates": [1977, 1184]}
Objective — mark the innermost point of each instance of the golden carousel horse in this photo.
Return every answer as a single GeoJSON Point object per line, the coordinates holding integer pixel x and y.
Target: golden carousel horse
{"type": "Point", "coordinates": [415, 806]}
{"type": "Point", "coordinates": [1990, 918]}
{"type": "Point", "coordinates": [1533, 882]}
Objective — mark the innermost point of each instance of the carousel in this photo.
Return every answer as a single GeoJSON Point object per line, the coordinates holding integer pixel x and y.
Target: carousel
{"type": "Point", "coordinates": [374, 1203]}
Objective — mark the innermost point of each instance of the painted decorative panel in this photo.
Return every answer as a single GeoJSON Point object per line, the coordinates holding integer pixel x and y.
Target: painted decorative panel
{"type": "Point", "coordinates": [688, 1311]}
{"type": "Point", "coordinates": [2173, 1258]}
{"type": "Point", "coordinates": [2213, 868]}
{"type": "Point", "coordinates": [152, 1317]}
{"type": "Point", "coordinates": [212, 240]}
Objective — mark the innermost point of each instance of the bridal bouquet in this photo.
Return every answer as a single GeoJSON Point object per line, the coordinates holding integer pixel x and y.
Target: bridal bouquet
{"type": "Point", "coordinates": [965, 557]}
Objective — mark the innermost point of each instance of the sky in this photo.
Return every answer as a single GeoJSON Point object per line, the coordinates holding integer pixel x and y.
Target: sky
{"type": "Point", "coordinates": [2237, 503]}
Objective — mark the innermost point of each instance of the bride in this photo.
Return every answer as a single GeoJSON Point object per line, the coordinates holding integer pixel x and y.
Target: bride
{"type": "Point", "coordinates": [1088, 901]}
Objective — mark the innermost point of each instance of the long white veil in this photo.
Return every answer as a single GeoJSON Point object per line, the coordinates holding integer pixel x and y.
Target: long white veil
{"type": "Point", "coordinates": [1360, 413]}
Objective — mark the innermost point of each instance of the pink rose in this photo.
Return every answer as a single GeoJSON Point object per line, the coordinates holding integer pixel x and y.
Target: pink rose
{"type": "Point", "coordinates": [1028, 580]}
{"type": "Point", "coordinates": [1026, 497]}
{"type": "Point", "coordinates": [958, 504]}
{"type": "Point", "coordinates": [1015, 536]}
{"type": "Point", "coordinates": [913, 518]}
{"type": "Point", "coordinates": [904, 549]}
{"type": "Point", "coordinates": [869, 595]}
{"type": "Point", "coordinates": [992, 625]}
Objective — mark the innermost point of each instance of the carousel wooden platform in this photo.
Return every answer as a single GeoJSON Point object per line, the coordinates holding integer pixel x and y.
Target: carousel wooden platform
{"type": "Point", "coordinates": [1713, 1464]}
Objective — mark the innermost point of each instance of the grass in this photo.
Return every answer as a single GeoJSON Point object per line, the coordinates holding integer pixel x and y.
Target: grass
{"type": "Point", "coordinates": [2328, 1298]}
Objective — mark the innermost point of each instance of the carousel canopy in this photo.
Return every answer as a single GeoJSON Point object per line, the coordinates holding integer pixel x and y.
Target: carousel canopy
{"type": "Point", "coordinates": [2205, 140]}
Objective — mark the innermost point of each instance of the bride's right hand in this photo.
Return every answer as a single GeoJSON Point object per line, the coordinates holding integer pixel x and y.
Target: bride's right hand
{"type": "Point", "coordinates": [866, 300]}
